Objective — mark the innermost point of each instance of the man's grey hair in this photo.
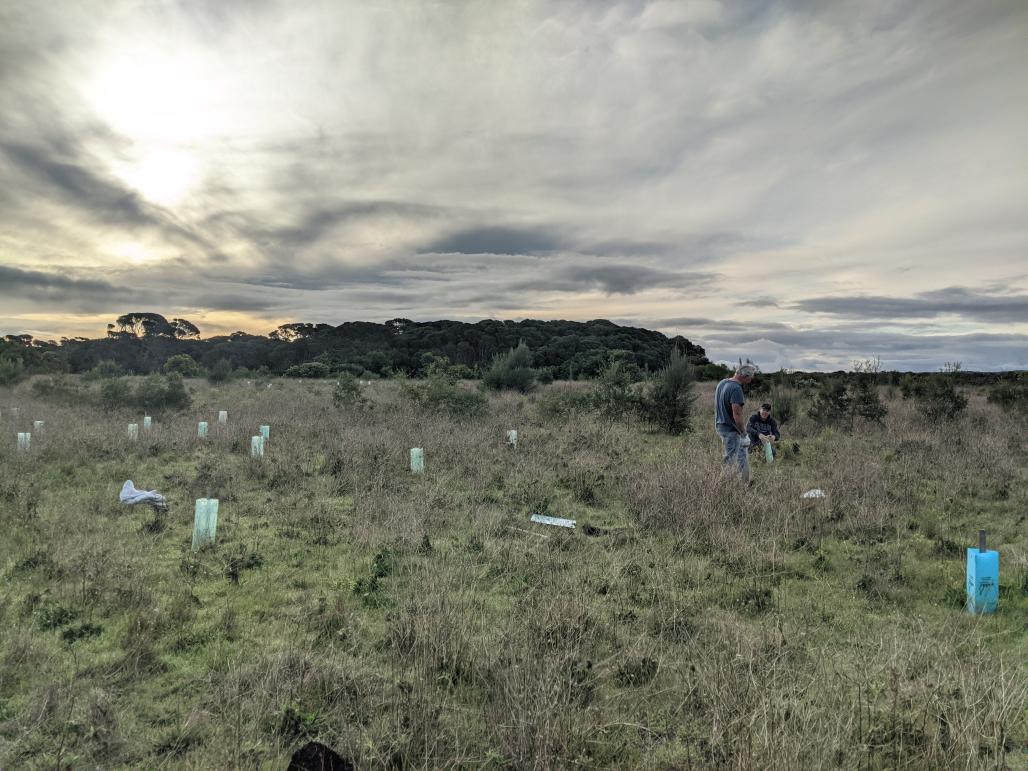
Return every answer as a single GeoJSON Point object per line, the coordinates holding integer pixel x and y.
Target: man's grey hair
{"type": "Point", "coordinates": [746, 370]}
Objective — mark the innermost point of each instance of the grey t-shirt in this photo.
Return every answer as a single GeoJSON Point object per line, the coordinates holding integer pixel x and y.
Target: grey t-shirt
{"type": "Point", "coordinates": [728, 393]}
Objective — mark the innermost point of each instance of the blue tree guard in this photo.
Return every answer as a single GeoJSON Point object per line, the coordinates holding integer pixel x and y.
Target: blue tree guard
{"type": "Point", "coordinates": [982, 578]}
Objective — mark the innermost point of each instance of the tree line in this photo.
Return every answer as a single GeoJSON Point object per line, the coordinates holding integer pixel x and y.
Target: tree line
{"type": "Point", "coordinates": [143, 342]}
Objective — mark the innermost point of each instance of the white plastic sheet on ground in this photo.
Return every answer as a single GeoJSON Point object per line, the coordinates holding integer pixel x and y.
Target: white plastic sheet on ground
{"type": "Point", "coordinates": [817, 492]}
{"type": "Point", "coordinates": [557, 521]}
{"type": "Point", "coordinates": [131, 496]}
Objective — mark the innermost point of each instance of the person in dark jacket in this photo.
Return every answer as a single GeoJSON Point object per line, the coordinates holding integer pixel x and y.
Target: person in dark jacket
{"type": "Point", "coordinates": [762, 428]}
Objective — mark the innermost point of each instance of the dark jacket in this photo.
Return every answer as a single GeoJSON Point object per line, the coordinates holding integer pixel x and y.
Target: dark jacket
{"type": "Point", "coordinates": [755, 426]}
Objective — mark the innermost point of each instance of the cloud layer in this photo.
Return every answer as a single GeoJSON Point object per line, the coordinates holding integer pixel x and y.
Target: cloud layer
{"type": "Point", "coordinates": [802, 183]}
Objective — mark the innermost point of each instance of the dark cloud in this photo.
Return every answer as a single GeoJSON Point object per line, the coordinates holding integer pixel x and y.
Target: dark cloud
{"type": "Point", "coordinates": [315, 225]}
{"type": "Point", "coordinates": [955, 300]}
{"type": "Point", "coordinates": [614, 279]}
{"type": "Point", "coordinates": [495, 239]}
{"type": "Point", "coordinates": [56, 167]}
{"type": "Point", "coordinates": [59, 289]}
{"type": "Point", "coordinates": [16, 281]}
{"type": "Point", "coordinates": [234, 301]}
{"type": "Point", "coordinates": [79, 185]}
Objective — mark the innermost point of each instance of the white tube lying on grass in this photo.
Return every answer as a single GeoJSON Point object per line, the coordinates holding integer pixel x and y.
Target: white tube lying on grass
{"type": "Point", "coordinates": [557, 521]}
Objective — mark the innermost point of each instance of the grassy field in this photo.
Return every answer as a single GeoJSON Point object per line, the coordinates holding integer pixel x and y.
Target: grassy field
{"type": "Point", "coordinates": [423, 622]}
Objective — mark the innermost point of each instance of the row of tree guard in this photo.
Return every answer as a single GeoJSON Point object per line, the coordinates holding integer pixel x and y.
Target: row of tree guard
{"type": "Point", "coordinates": [982, 576]}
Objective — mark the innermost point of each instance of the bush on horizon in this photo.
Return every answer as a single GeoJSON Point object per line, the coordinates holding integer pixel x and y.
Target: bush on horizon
{"type": "Point", "coordinates": [668, 402]}
{"type": "Point", "coordinates": [511, 371]}
{"type": "Point", "coordinates": [182, 364]}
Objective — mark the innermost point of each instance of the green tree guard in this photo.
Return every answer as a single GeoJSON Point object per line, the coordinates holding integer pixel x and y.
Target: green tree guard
{"type": "Point", "coordinates": [417, 460]}
{"type": "Point", "coordinates": [147, 422]}
{"type": "Point", "coordinates": [133, 430]}
{"type": "Point", "coordinates": [205, 522]}
{"type": "Point", "coordinates": [24, 441]}
{"type": "Point", "coordinates": [512, 438]}
{"type": "Point", "coordinates": [201, 428]}
{"type": "Point", "coordinates": [265, 432]}
{"type": "Point", "coordinates": [222, 417]}
{"type": "Point", "coordinates": [257, 446]}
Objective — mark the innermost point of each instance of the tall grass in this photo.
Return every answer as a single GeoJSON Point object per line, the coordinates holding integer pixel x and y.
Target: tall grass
{"type": "Point", "coordinates": [423, 622]}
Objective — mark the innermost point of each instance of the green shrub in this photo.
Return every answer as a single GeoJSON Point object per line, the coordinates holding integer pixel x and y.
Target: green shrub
{"type": "Point", "coordinates": [940, 400]}
{"type": "Point", "coordinates": [840, 401]}
{"type": "Point", "coordinates": [56, 389]}
{"type": "Point", "coordinates": [832, 405]}
{"type": "Point", "coordinates": [347, 392]}
{"type": "Point", "coordinates": [544, 375]}
{"type": "Point", "coordinates": [935, 395]}
{"type": "Point", "coordinates": [613, 396]}
{"type": "Point", "coordinates": [115, 393]}
{"type": "Point", "coordinates": [715, 372]}
{"type": "Point", "coordinates": [157, 392]}
{"type": "Point", "coordinates": [563, 402]}
{"type": "Point", "coordinates": [783, 406]}
{"type": "Point", "coordinates": [105, 370]}
{"type": "Point", "coordinates": [221, 371]}
{"type": "Point", "coordinates": [866, 403]}
{"type": "Point", "coordinates": [511, 370]}
{"type": "Point", "coordinates": [310, 369]}
{"type": "Point", "coordinates": [182, 364]}
{"type": "Point", "coordinates": [1009, 395]}
{"type": "Point", "coordinates": [442, 393]}
{"type": "Point", "coordinates": [668, 402]}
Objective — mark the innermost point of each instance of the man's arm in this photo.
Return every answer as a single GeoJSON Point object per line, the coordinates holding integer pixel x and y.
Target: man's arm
{"type": "Point", "coordinates": [737, 415]}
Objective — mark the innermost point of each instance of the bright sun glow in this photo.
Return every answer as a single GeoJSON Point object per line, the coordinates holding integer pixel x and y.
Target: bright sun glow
{"type": "Point", "coordinates": [133, 251]}
{"type": "Point", "coordinates": [162, 176]}
{"type": "Point", "coordinates": [168, 104]}
{"type": "Point", "coordinates": [160, 96]}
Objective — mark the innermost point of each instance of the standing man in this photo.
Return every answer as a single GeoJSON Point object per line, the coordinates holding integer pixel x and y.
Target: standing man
{"type": "Point", "coordinates": [728, 402]}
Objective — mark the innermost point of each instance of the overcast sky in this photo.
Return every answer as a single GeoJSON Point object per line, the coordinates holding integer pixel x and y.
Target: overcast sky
{"type": "Point", "coordinates": [803, 183]}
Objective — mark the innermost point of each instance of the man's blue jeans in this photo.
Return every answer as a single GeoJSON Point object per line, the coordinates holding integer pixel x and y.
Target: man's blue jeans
{"type": "Point", "coordinates": [734, 453]}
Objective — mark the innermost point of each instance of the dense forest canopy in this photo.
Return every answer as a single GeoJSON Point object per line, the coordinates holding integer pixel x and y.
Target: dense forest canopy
{"type": "Point", "coordinates": [142, 342]}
